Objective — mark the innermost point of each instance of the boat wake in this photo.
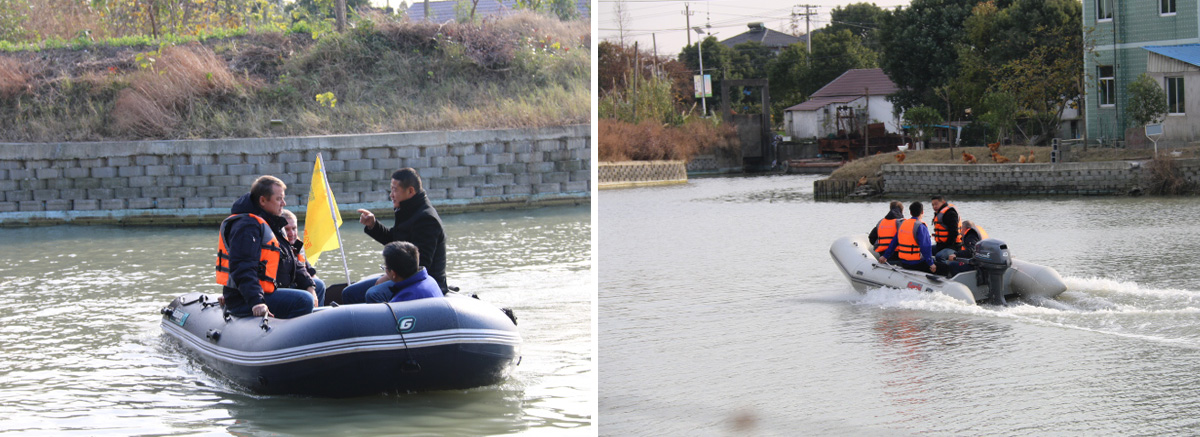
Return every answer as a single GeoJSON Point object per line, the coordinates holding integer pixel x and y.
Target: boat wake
{"type": "Point", "coordinates": [1099, 305]}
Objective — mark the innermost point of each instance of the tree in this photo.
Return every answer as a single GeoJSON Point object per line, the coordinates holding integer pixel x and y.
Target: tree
{"type": "Point", "coordinates": [1147, 101]}
{"type": "Point", "coordinates": [795, 74]}
{"type": "Point", "coordinates": [1000, 111]}
{"type": "Point", "coordinates": [718, 62]}
{"type": "Point", "coordinates": [861, 19]}
{"type": "Point", "coordinates": [923, 119]}
{"type": "Point", "coordinates": [1040, 65]}
{"type": "Point", "coordinates": [918, 52]}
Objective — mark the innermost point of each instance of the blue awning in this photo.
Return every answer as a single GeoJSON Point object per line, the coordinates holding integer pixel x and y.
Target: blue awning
{"type": "Point", "coordinates": [1189, 53]}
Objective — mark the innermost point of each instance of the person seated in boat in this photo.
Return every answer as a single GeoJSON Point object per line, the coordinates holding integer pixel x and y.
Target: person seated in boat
{"type": "Point", "coordinates": [291, 234]}
{"type": "Point", "coordinates": [945, 224]}
{"type": "Point", "coordinates": [958, 261]}
{"type": "Point", "coordinates": [883, 233]}
{"type": "Point", "coordinates": [253, 266]}
{"type": "Point", "coordinates": [407, 280]}
{"type": "Point", "coordinates": [912, 245]}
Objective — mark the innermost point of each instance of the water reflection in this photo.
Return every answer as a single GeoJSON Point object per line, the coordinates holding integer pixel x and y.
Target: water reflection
{"type": "Point", "coordinates": [84, 353]}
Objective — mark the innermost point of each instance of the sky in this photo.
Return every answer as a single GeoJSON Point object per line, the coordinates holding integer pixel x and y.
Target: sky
{"type": "Point", "coordinates": [664, 20]}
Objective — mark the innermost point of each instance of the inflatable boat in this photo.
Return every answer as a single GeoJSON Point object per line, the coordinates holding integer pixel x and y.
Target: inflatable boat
{"type": "Point", "coordinates": [995, 270]}
{"type": "Point", "coordinates": [455, 342]}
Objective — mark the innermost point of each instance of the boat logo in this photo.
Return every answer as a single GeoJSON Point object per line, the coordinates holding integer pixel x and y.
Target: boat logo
{"type": "Point", "coordinates": [915, 285]}
{"type": "Point", "coordinates": [178, 316]}
{"type": "Point", "coordinates": [405, 324]}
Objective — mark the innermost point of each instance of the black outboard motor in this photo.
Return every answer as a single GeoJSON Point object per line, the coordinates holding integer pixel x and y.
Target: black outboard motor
{"type": "Point", "coordinates": [991, 256]}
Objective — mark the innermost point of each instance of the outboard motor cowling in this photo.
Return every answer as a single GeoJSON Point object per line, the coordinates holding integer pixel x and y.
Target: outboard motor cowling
{"type": "Point", "coordinates": [993, 260]}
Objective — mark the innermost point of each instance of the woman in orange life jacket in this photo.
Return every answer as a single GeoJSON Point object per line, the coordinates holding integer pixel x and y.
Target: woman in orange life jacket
{"type": "Point", "coordinates": [883, 233]}
{"type": "Point", "coordinates": [251, 260]}
{"type": "Point", "coordinates": [292, 236]}
{"type": "Point", "coordinates": [959, 261]}
{"type": "Point", "coordinates": [912, 244]}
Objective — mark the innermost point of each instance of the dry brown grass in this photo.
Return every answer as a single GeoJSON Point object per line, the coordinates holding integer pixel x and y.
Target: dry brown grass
{"type": "Point", "coordinates": [137, 114]}
{"type": "Point", "coordinates": [621, 141]}
{"type": "Point", "coordinates": [14, 81]}
{"type": "Point", "coordinates": [160, 95]}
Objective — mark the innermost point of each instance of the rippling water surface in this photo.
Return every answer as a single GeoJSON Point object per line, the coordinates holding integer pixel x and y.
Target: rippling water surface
{"type": "Point", "coordinates": [83, 351]}
{"type": "Point", "coordinates": [721, 312]}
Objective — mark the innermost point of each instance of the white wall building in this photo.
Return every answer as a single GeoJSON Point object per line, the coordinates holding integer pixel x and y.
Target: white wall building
{"type": "Point", "coordinates": [865, 90]}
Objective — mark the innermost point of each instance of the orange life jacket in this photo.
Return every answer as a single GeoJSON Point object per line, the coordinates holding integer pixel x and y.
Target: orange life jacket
{"type": "Point", "coordinates": [268, 258]}
{"type": "Point", "coordinates": [906, 245]}
{"type": "Point", "coordinates": [983, 235]}
{"type": "Point", "coordinates": [940, 233]}
{"type": "Point", "coordinates": [885, 231]}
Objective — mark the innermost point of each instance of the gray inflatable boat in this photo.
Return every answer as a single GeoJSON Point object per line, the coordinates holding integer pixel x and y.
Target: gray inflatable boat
{"type": "Point", "coordinates": [995, 269]}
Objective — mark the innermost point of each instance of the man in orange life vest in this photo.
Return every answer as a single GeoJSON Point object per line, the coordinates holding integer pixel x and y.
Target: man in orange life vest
{"type": "Point", "coordinates": [945, 225]}
{"type": "Point", "coordinates": [253, 257]}
{"type": "Point", "coordinates": [912, 244]}
{"type": "Point", "coordinates": [886, 229]}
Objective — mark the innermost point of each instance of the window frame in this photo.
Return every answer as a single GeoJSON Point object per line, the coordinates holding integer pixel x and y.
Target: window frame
{"type": "Point", "coordinates": [1104, 6]}
{"type": "Point", "coordinates": [1106, 86]}
{"type": "Point", "coordinates": [1162, 6]}
{"type": "Point", "coordinates": [1176, 97]}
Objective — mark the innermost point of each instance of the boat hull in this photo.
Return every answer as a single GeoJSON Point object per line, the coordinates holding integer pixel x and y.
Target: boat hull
{"type": "Point", "coordinates": [448, 343]}
{"type": "Point", "coordinates": [855, 257]}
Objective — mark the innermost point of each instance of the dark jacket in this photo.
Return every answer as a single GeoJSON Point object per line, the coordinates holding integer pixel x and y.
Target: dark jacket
{"type": "Point", "coordinates": [418, 223]}
{"type": "Point", "coordinates": [968, 244]}
{"type": "Point", "coordinates": [244, 239]}
{"type": "Point", "coordinates": [418, 286]}
{"type": "Point", "coordinates": [950, 222]}
{"type": "Point", "coordinates": [296, 248]}
{"type": "Point", "coordinates": [894, 213]}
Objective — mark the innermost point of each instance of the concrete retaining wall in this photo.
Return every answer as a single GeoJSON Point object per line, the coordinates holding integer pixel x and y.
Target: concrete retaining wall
{"type": "Point", "coordinates": [1073, 179]}
{"type": "Point", "coordinates": [1076, 178]}
{"type": "Point", "coordinates": [641, 173]}
{"type": "Point", "coordinates": [147, 181]}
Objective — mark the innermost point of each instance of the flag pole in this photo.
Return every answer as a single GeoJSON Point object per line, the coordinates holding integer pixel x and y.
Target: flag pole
{"type": "Point", "coordinates": [333, 215]}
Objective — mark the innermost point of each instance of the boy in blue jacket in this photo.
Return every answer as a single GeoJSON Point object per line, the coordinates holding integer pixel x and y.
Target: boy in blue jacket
{"type": "Point", "coordinates": [912, 247]}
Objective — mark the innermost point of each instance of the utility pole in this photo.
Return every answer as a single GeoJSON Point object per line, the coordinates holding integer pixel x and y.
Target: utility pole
{"type": "Point", "coordinates": [687, 12]}
{"type": "Point", "coordinates": [808, 13]}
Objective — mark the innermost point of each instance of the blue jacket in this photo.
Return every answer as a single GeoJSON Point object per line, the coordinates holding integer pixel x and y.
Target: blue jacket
{"type": "Point", "coordinates": [418, 286]}
{"type": "Point", "coordinates": [923, 239]}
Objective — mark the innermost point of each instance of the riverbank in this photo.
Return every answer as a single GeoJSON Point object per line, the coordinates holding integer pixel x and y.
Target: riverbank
{"type": "Point", "coordinates": [386, 74]}
{"type": "Point", "coordinates": [870, 167]}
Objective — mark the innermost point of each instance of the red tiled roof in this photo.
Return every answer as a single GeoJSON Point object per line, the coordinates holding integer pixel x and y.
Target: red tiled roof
{"type": "Point", "coordinates": [849, 86]}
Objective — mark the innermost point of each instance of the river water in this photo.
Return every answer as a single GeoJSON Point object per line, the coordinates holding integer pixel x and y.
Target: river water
{"type": "Point", "coordinates": [722, 313]}
{"type": "Point", "coordinates": [83, 352]}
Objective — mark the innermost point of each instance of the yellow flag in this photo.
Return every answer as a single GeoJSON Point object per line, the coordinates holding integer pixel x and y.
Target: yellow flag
{"type": "Point", "coordinates": [320, 225]}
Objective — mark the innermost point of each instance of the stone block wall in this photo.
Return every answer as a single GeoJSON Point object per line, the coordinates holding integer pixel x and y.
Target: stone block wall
{"type": "Point", "coordinates": [634, 173]}
{"type": "Point", "coordinates": [483, 168]}
{"type": "Point", "coordinates": [1072, 178]}
{"type": "Point", "coordinates": [1075, 178]}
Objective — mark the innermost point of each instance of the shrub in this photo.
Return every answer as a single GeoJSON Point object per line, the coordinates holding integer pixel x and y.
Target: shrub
{"type": "Point", "coordinates": [13, 81]}
{"type": "Point", "coordinates": [648, 140]}
{"type": "Point", "coordinates": [1165, 178]}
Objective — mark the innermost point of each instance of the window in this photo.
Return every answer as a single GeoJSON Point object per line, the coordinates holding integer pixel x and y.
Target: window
{"type": "Point", "coordinates": [1104, 10]}
{"type": "Point", "coordinates": [1107, 86]}
{"type": "Point", "coordinates": [1175, 95]}
{"type": "Point", "coordinates": [1166, 7]}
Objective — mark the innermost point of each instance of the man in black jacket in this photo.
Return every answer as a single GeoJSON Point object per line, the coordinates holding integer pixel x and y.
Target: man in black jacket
{"type": "Point", "coordinates": [416, 222]}
{"type": "Point", "coordinates": [256, 266]}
